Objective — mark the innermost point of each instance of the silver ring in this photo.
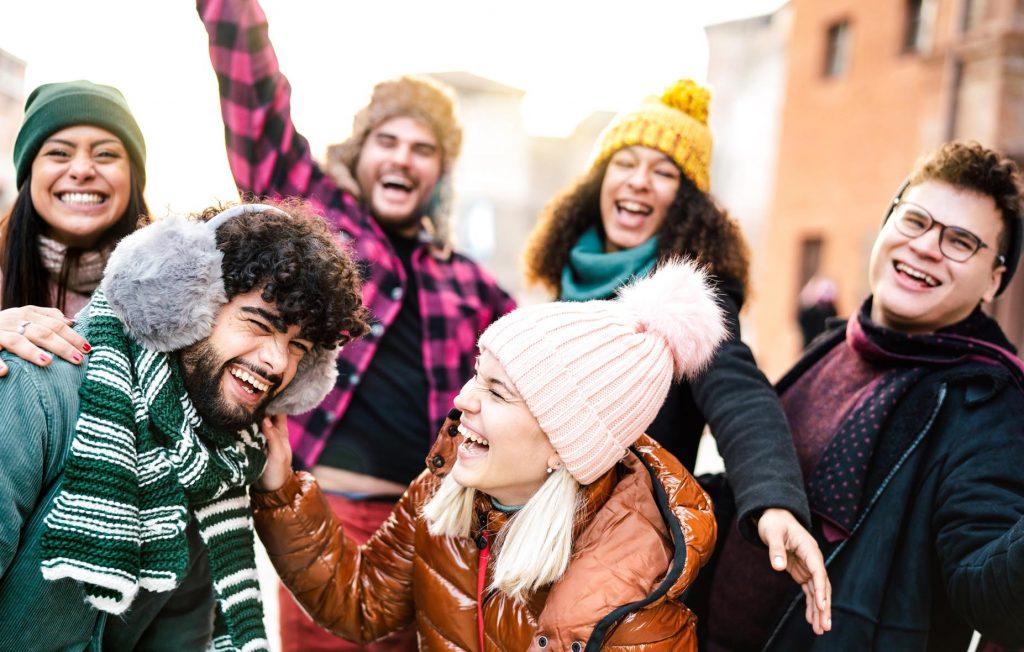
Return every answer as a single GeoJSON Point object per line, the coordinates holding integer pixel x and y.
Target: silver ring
{"type": "Point", "coordinates": [20, 330]}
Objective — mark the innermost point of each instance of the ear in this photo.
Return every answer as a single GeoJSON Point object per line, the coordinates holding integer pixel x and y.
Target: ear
{"type": "Point", "coordinates": [554, 461]}
{"type": "Point", "coordinates": [993, 285]}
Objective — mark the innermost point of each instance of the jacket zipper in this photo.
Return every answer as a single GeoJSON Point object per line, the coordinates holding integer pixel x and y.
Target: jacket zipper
{"type": "Point", "coordinates": [874, 499]}
{"type": "Point", "coordinates": [481, 581]}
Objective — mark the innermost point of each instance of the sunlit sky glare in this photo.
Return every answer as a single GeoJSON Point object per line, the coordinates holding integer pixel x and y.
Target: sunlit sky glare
{"type": "Point", "coordinates": [570, 56]}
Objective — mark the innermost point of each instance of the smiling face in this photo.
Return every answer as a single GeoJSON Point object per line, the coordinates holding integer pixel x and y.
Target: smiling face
{"type": "Point", "coordinates": [398, 168]}
{"type": "Point", "coordinates": [638, 188]}
{"type": "Point", "coordinates": [81, 184]}
{"type": "Point", "coordinates": [918, 290]}
{"type": "Point", "coordinates": [505, 454]}
{"type": "Point", "coordinates": [249, 357]}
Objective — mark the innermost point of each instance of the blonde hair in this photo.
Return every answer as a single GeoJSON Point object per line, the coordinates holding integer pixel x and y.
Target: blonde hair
{"type": "Point", "coordinates": [533, 548]}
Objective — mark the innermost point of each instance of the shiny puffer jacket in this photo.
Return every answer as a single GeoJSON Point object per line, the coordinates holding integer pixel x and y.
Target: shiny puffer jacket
{"type": "Point", "coordinates": [644, 531]}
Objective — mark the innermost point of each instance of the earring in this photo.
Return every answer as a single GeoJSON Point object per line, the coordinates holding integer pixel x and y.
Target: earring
{"type": "Point", "coordinates": [550, 470]}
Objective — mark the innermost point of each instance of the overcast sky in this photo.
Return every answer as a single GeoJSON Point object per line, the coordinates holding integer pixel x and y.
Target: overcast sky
{"type": "Point", "coordinates": [571, 57]}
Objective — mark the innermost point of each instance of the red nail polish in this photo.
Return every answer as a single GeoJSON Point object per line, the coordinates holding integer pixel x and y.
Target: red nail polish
{"type": "Point", "coordinates": [87, 347]}
{"type": "Point", "coordinates": [77, 357]}
{"type": "Point", "coordinates": [44, 357]}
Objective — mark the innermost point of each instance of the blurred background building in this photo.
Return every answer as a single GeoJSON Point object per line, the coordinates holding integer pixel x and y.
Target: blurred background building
{"type": "Point", "coordinates": [869, 87]}
{"type": "Point", "coordinates": [12, 98]}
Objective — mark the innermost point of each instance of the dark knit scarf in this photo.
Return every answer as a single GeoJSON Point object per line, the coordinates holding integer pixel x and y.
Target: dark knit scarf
{"type": "Point", "coordinates": [593, 273]}
{"type": "Point", "coordinates": [142, 463]}
{"type": "Point", "coordinates": [836, 485]}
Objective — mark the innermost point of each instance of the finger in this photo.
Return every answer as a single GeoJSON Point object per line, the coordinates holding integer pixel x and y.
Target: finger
{"type": "Point", "coordinates": [3, 368]}
{"type": "Point", "coordinates": [776, 548]}
{"type": "Point", "coordinates": [808, 605]}
{"type": "Point", "coordinates": [55, 335]}
{"type": "Point", "coordinates": [22, 347]}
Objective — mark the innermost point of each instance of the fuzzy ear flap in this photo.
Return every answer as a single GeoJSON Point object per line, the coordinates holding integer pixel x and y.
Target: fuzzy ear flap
{"type": "Point", "coordinates": [314, 379]}
{"type": "Point", "coordinates": [165, 283]}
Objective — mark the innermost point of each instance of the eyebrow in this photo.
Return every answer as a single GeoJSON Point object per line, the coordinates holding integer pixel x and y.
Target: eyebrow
{"type": "Point", "coordinates": [104, 141]}
{"type": "Point", "coordinates": [275, 320]}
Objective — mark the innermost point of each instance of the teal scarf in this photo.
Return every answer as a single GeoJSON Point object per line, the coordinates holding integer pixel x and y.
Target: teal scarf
{"type": "Point", "coordinates": [593, 273]}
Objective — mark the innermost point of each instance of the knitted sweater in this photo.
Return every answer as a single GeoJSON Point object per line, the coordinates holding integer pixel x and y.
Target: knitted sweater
{"type": "Point", "coordinates": [38, 410]}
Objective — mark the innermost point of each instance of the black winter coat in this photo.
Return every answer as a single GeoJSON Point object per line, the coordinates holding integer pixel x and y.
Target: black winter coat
{"type": "Point", "coordinates": [939, 548]}
{"type": "Point", "coordinates": [737, 402]}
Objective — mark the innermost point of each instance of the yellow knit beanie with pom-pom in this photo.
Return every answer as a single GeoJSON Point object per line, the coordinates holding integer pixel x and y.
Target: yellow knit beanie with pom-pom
{"type": "Point", "coordinates": [676, 124]}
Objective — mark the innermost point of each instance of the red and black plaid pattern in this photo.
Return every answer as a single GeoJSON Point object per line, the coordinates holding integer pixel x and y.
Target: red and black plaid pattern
{"type": "Point", "coordinates": [458, 299]}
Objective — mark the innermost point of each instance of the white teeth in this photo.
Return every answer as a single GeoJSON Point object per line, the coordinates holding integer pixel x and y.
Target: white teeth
{"type": "Point", "coordinates": [395, 180]}
{"type": "Point", "coordinates": [81, 198]}
{"type": "Point", "coordinates": [634, 207]}
{"type": "Point", "coordinates": [919, 275]}
{"type": "Point", "coordinates": [472, 436]}
{"type": "Point", "coordinates": [247, 377]}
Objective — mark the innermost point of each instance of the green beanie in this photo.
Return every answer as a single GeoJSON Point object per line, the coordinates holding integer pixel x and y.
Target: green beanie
{"type": "Point", "coordinates": [53, 107]}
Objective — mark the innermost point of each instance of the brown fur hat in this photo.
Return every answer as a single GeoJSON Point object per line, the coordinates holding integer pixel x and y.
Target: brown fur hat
{"type": "Point", "coordinates": [419, 97]}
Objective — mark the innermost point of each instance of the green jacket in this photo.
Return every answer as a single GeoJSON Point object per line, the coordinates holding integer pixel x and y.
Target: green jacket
{"type": "Point", "coordinates": [38, 410]}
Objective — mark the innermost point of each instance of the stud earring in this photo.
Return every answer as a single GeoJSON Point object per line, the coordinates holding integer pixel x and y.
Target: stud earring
{"type": "Point", "coordinates": [550, 470]}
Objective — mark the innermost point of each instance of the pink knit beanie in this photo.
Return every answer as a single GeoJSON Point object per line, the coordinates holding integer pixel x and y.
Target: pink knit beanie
{"type": "Point", "coordinates": [595, 373]}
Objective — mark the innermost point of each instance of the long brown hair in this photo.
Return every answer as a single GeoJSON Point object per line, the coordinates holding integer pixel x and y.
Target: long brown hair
{"type": "Point", "coordinates": [25, 280]}
{"type": "Point", "coordinates": [694, 226]}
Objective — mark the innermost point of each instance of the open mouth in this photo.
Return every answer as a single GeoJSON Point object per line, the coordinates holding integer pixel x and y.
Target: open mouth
{"type": "Point", "coordinates": [82, 198]}
{"type": "Point", "coordinates": [633, 208]}
{"type": "Point", "coordinates": [249, 382]}
{"type": "Point", "coordinates": [397, 183]}
{"type": "Point", "coordinates": [916, 275]}
{"type": "Point", "coordinates": [473, 445]}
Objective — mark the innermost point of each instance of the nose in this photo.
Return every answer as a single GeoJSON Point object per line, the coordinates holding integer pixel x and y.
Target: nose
{"type": "Point", "coordinates": [926, 245]}
{"type": "Point", "coordinates": [81, 166]}
{"type": "Point", "coordinates": [401, 154]}
{"type": "Point", "coordinates": [466, 400]}
{"type": "Point", "coordinates": [273, 354]}
{"type": "Point", "coordinates": [639, 178]}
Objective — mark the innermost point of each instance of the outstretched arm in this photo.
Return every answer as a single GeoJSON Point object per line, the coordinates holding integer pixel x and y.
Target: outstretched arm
{"type": "Point", "coordinates": [359, 592]}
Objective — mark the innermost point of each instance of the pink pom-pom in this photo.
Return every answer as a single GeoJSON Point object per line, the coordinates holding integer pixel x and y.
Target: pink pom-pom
{"type": "Point", "coordinates": [677, 302]}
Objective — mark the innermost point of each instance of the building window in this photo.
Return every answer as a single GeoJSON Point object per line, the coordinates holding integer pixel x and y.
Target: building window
{"type": "Point", "coordinates": [810, 259]}
{"type": "Point", "coordinates": [837, 49]}
{"type": "Point", "coordinates": [917, 33]}
{"type": "Point", "coordinates": [974, 13]}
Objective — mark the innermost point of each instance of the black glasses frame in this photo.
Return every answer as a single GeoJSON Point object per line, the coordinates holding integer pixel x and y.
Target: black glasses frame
{"type": "Point", "coordinates": [895, 214]}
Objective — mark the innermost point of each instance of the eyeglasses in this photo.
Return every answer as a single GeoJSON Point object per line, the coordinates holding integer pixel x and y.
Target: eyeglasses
{"type": "Point", "coordinates": [955, 243]}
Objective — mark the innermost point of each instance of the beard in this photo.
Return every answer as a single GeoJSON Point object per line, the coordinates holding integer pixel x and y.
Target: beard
{"type": "Point", "coordinates": [202, 372]}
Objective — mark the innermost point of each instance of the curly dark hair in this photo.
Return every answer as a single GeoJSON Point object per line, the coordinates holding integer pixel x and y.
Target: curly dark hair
{"type": "Point", "coordinates": [970, 166]}
{"type": "Point", "coordinates": [298, 263]}
{"type": "Point", "coordinates": [695, 226]}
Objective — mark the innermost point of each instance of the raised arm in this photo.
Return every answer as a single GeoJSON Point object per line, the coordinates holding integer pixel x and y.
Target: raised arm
{"type": "Point", "coordinates": [267, 156]}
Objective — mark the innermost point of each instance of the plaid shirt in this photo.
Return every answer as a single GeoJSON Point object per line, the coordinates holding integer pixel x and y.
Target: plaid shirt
{"type": "Point", "coordinates": [458, 299]}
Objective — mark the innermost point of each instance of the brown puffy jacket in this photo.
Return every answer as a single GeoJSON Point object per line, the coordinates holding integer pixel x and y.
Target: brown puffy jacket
{"type": "Point", "coordinates": [645, 530]}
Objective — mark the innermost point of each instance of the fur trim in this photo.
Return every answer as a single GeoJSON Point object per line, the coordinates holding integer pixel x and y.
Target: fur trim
{"type": "Point", "coordinates": [677, 302]}
{"type": "Point", "coordinates": [315, 378]}
{"type": "Point", "coordinates": [164, 282]}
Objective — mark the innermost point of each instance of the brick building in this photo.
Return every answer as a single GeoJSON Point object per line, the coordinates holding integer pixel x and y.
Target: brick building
{"type": "Point", "coordinates": [871, 86]}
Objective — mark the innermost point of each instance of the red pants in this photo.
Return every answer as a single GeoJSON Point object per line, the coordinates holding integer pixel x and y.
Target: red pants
{"type": "Point", "coordinates": [298, 632]}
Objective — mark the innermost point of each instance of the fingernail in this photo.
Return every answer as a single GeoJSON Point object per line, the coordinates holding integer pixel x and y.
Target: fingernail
{"type": "Point", "coordinates": [87, 347]}
{"type": "Point", "coordinates": [44, 357]}
{"type": "Point", "coordinates": [828, 623]}
{"type": "Point", "coordinates": [777, 561]}
{"type": "Point", "coordinates": [69, 321]}
{"type": "Point", "coordinates": [77, 357]}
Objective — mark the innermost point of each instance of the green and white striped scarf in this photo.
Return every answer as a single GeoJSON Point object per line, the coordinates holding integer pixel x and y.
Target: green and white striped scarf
{"type": "Point", "coordinates": [141, 461]}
